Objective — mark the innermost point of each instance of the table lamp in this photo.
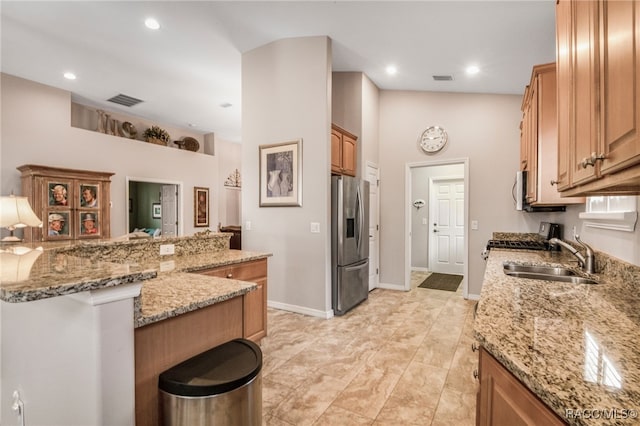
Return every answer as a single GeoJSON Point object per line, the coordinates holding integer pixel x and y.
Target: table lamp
{"type": "Point", "coordinates": [16, 212]}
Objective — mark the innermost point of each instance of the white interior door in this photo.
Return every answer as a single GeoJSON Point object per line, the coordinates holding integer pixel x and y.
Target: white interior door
{"type": "Point", "coordinates": [374, 225]}
{"type": "Point", "coordinates": [446, 220]}
{"type": "Point", "coordinates": [169, 210]}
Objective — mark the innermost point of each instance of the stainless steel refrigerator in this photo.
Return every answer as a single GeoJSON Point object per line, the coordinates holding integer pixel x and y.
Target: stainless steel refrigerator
{"type": "Point", "coordinates": [349, 242]}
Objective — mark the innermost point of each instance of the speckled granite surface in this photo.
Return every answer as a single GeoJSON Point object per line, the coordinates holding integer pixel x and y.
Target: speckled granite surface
{"type": "Point", "coordinates": [66, 269]}
{"type": "Point", "coordinates": [56, 274]}
{"type": "Point", "coordinates": [575, 346]}
{"type": "Point", "coordinates": [177, 293]}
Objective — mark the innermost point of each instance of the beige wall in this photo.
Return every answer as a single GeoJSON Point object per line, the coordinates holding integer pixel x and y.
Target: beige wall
{"type": "Point", "coordinates": [286, 92]}
{"type": "Point", "coordinates": [482, 128]}
{"type": "Point", "coordinates": [36, 130]}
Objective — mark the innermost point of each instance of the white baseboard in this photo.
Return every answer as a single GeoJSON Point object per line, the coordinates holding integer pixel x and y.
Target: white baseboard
{"type": "Point", "coordinates": [388, 286]}
{"type": "Point", "coordinates": [473, 296]}
{"type": "Point", "coordinates": [300, 309]}
{"type": "Point", "coordinates": [419, 269]}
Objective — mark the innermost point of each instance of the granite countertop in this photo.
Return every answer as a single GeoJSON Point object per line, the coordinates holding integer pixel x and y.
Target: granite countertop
{"type": "Point", "coordinates": [168, 287]}
{"type": "Point", "coordinates": [572, 345]}
{"type": "Point", "coordinates": [173, 294]}
{"type": "Point", "coordinates": [179, 289]}
{"type": "Point", "coordinates": [57, 274]}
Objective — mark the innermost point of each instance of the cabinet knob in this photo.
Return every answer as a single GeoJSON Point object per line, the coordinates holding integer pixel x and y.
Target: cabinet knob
{"type": "Point", "coordinates": [229, 275]}
{"type": "Point", "coordinates": [475, 374]}
{"type": "Point", "coordinates": [591, 161]}
{"type": "Point", "coordinates": [554, 182]}
{"type": "Point", "coordinates": [474, 346]}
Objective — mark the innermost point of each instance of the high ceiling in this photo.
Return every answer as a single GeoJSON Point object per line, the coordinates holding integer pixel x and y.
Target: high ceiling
{"type": "Point", "coordinates": [191, 66]}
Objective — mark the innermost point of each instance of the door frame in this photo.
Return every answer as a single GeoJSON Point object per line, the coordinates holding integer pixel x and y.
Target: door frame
{"type": "Point", "coordinates": [407, 217]}
{"type": "Point", "coordinates": [377, 244]}
{"type": "Point", "coordinates": [432, 183]}
{"type": "Point", "coordinates": [158, 181]}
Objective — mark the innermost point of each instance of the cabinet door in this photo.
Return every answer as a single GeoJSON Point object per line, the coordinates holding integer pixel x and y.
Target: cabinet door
{"type": "Point", "coordinates": [619, 84]}
{"type": "Point", "coordinates": [563, 74]}
{"type": "Point", "coordinates": [255, 313]}
{"type": "Point", "coordinates": [503, 400]}
{"type": "Point", "coordinates": [584, 100]}
{"type": "Point", "coordinates": [532, 145]}
{"type": "Point", "coordinates": [349, 154]}
{"type": "Point", "coordinates": [336, 151]}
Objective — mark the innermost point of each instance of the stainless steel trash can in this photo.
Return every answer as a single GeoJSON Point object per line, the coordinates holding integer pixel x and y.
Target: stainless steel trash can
{"type": "Point", "coordinates": [222, 386]}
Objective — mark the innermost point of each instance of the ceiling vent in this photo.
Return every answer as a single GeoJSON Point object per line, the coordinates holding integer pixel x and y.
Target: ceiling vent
{"type": "Point", "coordinates": [125, 100]}
{"type": "Point", "coordinates": [442, 78]}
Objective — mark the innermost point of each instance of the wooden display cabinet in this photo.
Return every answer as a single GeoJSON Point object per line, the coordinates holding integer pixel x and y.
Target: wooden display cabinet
{"type": "Point", "coordinates": [344, 151]}
{"type": "Point", "coordinates": [72, 204]}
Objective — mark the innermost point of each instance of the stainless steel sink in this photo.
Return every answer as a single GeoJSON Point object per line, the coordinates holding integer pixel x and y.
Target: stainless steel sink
{"type": "Point", "coordinates": [545, 273]}
{"type": "Point", "coordinates": [536, 269]}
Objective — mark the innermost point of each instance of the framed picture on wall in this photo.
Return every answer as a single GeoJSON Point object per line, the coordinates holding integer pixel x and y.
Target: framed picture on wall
{"type": "Point", "coordinates": [156, 213]}
{"type": "Point", "coordinates": [281, 174]}
{"type": "Point", "coordinates": [200, 206]}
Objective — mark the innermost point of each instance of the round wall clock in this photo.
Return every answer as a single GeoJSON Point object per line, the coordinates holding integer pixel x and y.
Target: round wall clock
{"type": "Point", "coordinates": [433, 139]}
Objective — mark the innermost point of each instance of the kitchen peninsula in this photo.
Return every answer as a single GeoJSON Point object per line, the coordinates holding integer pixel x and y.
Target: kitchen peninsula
{"type": "Point", "coordinates": [68, 330]}
{"type": "Point", "coordinates": [557, 353]}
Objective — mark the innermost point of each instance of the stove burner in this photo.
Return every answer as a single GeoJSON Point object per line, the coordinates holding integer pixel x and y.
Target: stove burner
{"type": "Point", "coordinates": [519, 245]}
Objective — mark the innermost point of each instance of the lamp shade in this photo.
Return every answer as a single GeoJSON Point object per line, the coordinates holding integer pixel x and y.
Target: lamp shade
{"type": "Point", "coordinates": [16, 212]}
{"type": "Point", "coordinates": [16, 264]}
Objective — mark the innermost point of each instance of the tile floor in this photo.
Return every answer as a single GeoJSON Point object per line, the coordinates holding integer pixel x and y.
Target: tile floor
{"type": "Point", "coordinates": [400, 358]}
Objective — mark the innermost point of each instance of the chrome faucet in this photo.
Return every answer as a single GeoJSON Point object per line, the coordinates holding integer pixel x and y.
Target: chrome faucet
{"type": "Point", "coordinates": [587, 262]}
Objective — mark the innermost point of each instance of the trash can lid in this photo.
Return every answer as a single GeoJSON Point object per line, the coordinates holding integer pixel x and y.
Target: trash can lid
{"type": "Point", "coordinates": [216, 371]}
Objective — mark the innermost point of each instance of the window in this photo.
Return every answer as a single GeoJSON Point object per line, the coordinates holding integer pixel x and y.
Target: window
{"type": "Point", "coordinates": [616, 212]}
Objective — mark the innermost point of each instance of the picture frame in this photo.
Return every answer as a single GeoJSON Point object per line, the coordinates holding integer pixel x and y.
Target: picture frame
{"type": "Point", "coordinates": [59, 194]}
{"type": "Point", "coordinates": [89, 223]}
{"type": "Point", "coordinates": [88, 195]}
{"type": "Point", "coordinates": [59, 225]}
{"type": "Point", "coordinates": [156, 212]}
{"type": "Point", "coordinates": [200, 207]}
{"type": "Point", "coordinates": [281, 174]}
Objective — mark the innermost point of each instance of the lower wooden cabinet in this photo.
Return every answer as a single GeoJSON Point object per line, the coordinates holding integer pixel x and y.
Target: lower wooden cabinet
{"type": "Point", "coordinates": [504, 401]}
{"type": "Point", "coordinates": [254, 302]}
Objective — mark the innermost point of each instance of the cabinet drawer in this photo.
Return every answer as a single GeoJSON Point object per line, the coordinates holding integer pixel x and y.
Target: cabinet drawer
{"type": "Point", "coordinates": [246, 271]}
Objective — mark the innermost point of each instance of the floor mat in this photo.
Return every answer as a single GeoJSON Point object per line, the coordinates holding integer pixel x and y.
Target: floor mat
{"type": "Point", "coordinates": [447, 282]}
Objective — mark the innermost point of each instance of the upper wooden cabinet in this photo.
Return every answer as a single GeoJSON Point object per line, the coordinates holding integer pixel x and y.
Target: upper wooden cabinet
{"type": "Point", "coordinates": [598, 56]}
{"type": "Point", "coordinates": [73, 204]}
{"type": "Point", "coordinates": [343, 151]}
{"type": "Point", "coordinates": [539, 139]}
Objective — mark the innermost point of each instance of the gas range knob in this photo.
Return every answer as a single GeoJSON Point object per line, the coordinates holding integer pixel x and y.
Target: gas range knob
{"type": "Point", "coordinates": [485, 254]}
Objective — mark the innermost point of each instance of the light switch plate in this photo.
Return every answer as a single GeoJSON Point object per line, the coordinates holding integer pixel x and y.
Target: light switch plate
{"type": "Point", "coordinates": [315, 227]}
{"type": "Point", "coordinates": [474, 225]}
{"type": "Point", "coordinates": [248, 225]}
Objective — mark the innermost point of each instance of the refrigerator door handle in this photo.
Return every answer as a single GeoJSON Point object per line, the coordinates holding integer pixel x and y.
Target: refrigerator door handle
{"type": "Point", "coordinates": [360, 216]}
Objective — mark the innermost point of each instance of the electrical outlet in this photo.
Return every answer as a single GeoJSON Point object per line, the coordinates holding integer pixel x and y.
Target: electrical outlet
{"type": "Point", "coordinates": [474, 225]}
{"type": "Point", "coordinates": [166, 249]}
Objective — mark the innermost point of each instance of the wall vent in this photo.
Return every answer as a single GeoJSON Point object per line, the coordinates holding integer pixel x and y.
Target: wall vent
{"type": "Point", "coordinates": [442, 78]}
{"type": "Point", "coordinates": [125, 100]}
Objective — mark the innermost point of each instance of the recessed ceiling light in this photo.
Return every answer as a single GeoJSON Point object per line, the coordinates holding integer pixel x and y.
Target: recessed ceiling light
{"type": "Point", "coordinates": [472, 69]}
{"type": "Point", "coordinates": [151, 23]}
{"type": "Point", "coordinates": [391, 69]}
{"type": "Point", "coordinates": [69, 76]}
